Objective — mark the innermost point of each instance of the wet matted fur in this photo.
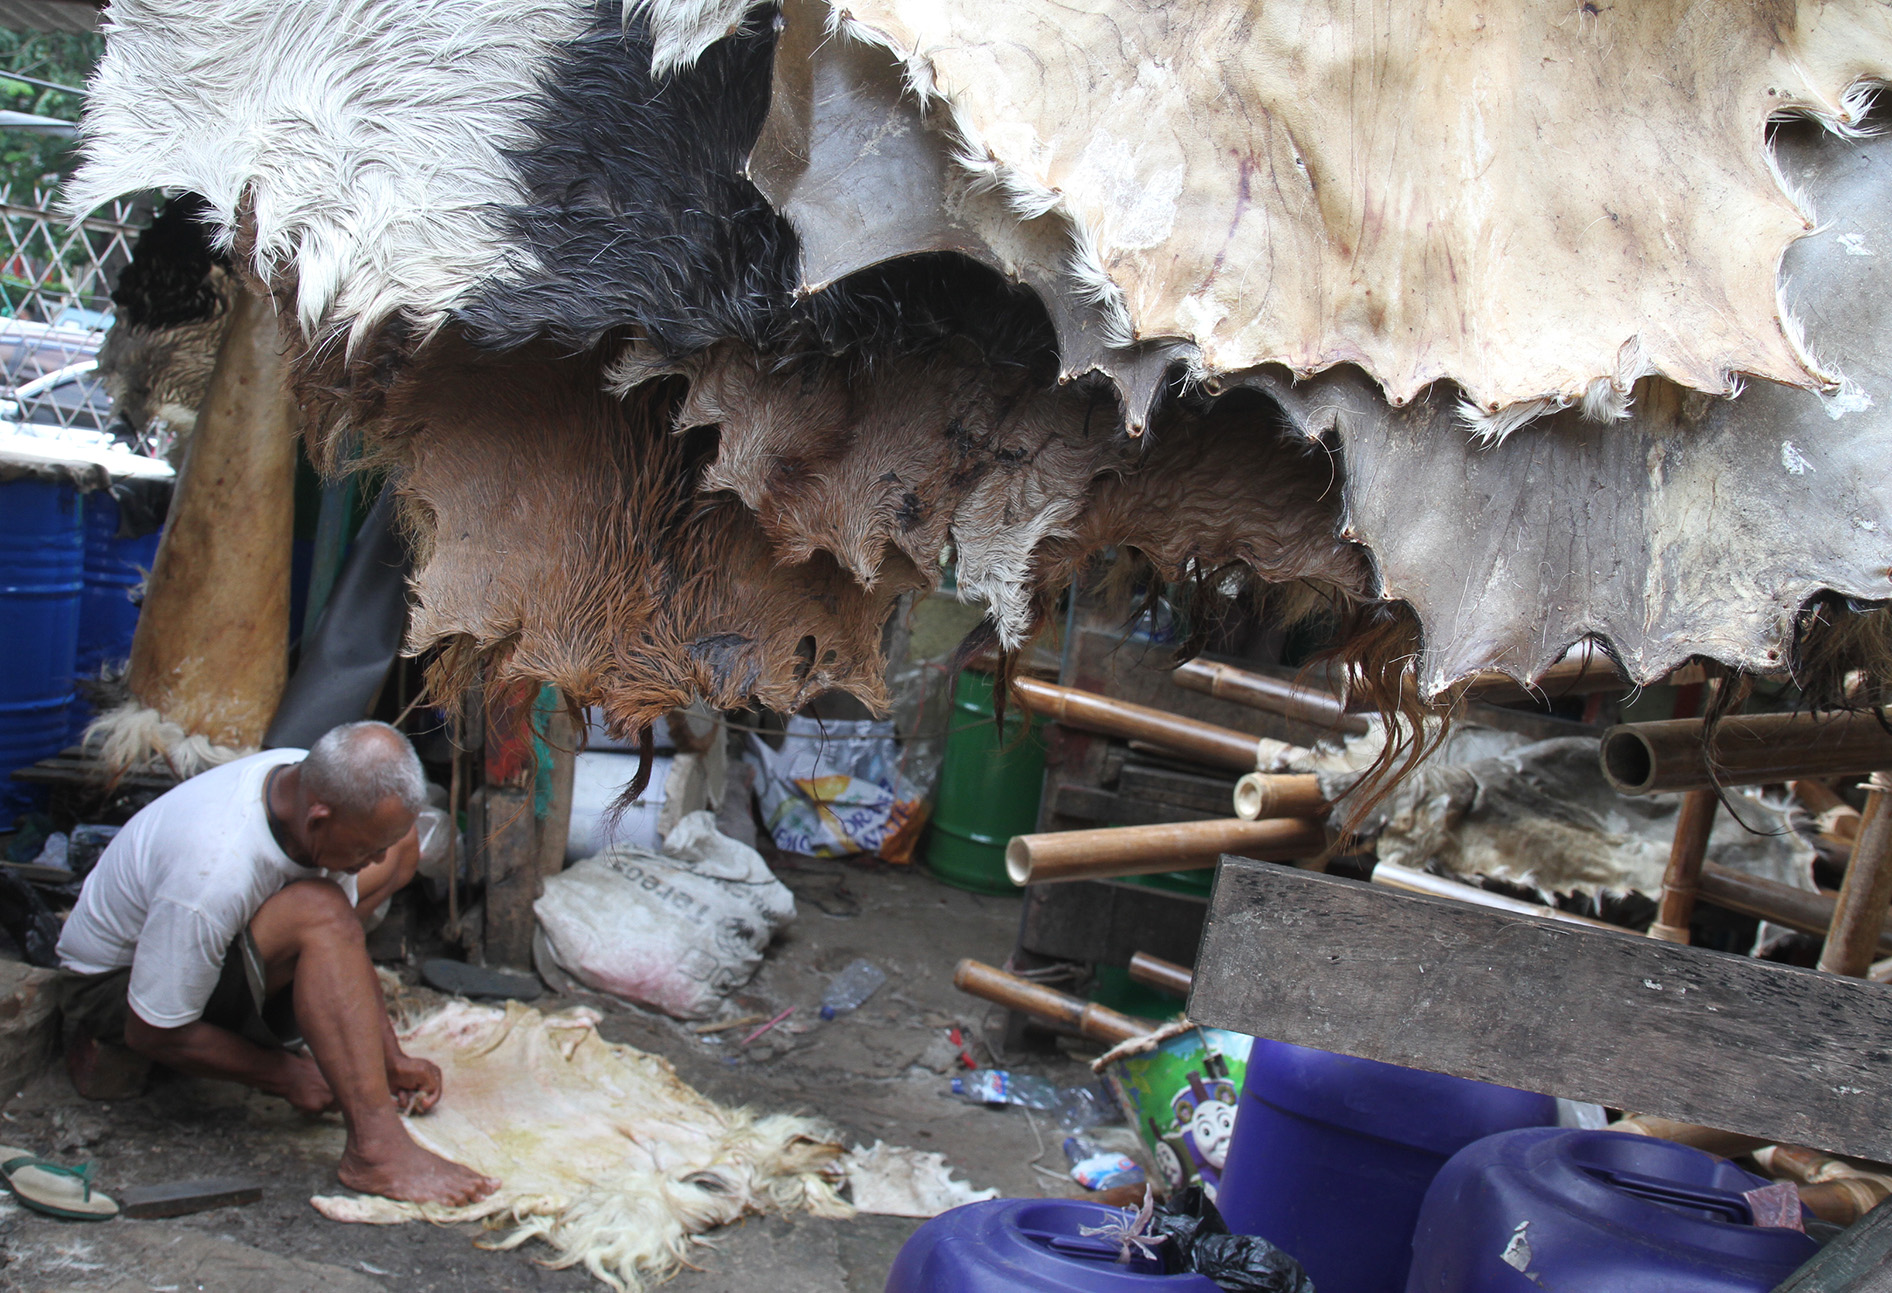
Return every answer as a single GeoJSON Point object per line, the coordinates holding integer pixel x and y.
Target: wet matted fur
{"type": "Point", "coordinates": [559, 531]}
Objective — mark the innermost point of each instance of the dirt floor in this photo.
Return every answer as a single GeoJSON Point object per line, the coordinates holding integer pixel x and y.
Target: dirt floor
{"type": "Point", "coordinates": [881, 1073]}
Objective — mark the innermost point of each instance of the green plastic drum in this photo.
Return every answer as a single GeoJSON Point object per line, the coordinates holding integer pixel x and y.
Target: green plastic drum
{"type": "Point", "coordinates": [989, 785]}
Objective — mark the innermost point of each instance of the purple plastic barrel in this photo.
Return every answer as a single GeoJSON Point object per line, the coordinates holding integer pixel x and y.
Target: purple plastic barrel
{"type": "Point", "coordinates": [1332, 1155]}
{"type": "Point", "coordinates": [1526, 1211]}
{"type": "Point", "coordinates": [41, 574]}
{"type": "Point", "coordinates": [1027, 1246]}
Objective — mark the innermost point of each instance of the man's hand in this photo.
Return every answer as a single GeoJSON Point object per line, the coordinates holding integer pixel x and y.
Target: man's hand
{"type": "Point", "coordinates": [303, 1085]}
{"type": "Point", "coordinates": [415, 1083]}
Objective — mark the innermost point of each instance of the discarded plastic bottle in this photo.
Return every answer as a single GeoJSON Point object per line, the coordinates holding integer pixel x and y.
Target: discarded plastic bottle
{"type": "Point", "coordinates": [1096, 1168]}
{"type": "Point", "coordinates": [848, 989]}
{"type": "Point", "coordinates": [996, 1086]}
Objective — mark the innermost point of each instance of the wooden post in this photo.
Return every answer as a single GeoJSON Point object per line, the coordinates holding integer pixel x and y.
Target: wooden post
{"type": "Point", "coordinates": [1682, 881]}
{"type": "Point", "coordinates": [1852, 943]}
{"type": "Point", "coordinates": [526, 814]}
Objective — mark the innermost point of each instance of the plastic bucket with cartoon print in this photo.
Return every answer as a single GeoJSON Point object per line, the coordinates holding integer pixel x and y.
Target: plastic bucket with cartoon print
{"type": "Point", "coordinates": [1180, 1090]}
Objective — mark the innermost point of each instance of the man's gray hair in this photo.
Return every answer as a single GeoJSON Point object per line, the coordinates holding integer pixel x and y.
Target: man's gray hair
{"type": "Point", "coordinates": [352, 768]}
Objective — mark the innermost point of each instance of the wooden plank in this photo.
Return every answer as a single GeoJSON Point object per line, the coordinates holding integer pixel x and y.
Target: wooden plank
{"type": "Point", "coordinates": [1627, 1022]}
{"type": "Point", "coordinates": [1101, 923]}
{"type": "Point", "coordinates": [1098, 806]}
{"type": "Point", "coordinates": [1211, 796]}
{"type": "Point", "coordinates": [1859, 1261]}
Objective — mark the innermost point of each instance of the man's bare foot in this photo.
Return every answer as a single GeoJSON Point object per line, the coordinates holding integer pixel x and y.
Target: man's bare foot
{"type": "Point", "coordinates": [403, 1170]}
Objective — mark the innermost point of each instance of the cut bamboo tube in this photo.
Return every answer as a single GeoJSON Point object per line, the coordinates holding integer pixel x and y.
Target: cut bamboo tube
{"type": "Point", "coordinates": [1710, 1140]}
{"type": "Point", "coordinates": [1099, 1023]}
{"type": "Point", "coordinates": [1275, 695]}
{"type": "Point", "coordinates": [1682, 880]}
{"type": "Point", "coordinates": [1807, 911]}
{"type": "Point", "coordinates": [1155, 972]}
{"type": "Point", "coordinates": [1152, 850]}
{"type": "Point", "coordinates": [1279, 794]}
{"type": "Point", "coordinates": [1219, 747]}
{"type": "Point", "coordinates": [1749, 750]}
{"type": "Point", "coordinates": [1860, 911]}
{"type": "Point", "coordinates": [1394, 876]}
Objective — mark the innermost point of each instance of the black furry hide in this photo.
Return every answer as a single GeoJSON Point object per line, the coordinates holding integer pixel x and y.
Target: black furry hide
{"type": "Point", "coordinates": [168, 283]}
{"type": "Point", "coordinates": [642, 224]}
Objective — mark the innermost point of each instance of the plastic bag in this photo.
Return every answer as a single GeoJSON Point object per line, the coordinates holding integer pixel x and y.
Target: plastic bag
{"type": "Point", "coordinates": [836, 788]}
{"type": "Point", "coordinates": [677, 930]}
{"type": "Point", "coordinates": [1197, 1242]}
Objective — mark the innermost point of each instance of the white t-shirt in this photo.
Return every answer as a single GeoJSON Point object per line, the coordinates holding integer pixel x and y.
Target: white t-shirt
{"type": "Point", "coordinates": [178, 884]}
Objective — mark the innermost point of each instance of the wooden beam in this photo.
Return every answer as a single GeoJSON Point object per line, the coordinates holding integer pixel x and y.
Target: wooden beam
{"type": "Point", "coordinates": [1768, 1050]}
{"type": "Point", "coordinates": [1859, 1261]}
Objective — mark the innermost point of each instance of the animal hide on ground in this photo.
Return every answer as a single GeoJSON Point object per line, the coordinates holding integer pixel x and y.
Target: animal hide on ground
{"type": "Point", "coordinates": [604, 1153]}
{"type": "Point", "coordinates": [1312, 185]}
{"type": "Point", "coordinates": [612, 1160]}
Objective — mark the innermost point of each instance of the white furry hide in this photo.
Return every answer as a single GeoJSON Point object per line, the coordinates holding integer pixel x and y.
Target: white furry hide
{"type": "Point", "coordinates": [136, 736]}
{"type": "Point", "coordinates": [1312, 185]}
{"type": "Point", "coordinates": [604, 1152]}
{"type": "Point", "coordinates": [364, 138]}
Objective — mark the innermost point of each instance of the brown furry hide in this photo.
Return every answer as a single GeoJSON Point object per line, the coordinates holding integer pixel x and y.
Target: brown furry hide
{"type": "Point", "coordinates": [160, 374]}
{"type": "Point", "coordinates": [560, 531]}
{"type": "Point", "coordinates": [1021, 482]}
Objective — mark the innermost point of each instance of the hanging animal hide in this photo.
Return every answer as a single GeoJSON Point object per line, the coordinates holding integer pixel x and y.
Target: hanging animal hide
{"type": "Point", "coordinates": [559, 528]}
{"type": "Point", "coordinates": [1696, 526]}
{"type": "Point", "coordinates": [480, 215]}
{"type": "Point", "coordinates": [173, 306]}
{"type": "Point", "coordinates": [1536, 202]}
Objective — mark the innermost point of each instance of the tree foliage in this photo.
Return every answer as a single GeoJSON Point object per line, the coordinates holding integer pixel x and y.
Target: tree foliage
{"type": "Point", "coordinates": [28, 160]}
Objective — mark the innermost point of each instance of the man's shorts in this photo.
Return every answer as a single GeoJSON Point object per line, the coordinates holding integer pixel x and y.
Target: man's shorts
{"type": "Point", "coordinates": [96, 1004]}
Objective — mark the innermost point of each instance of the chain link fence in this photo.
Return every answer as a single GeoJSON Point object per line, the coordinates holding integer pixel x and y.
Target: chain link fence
{"type": "Point", "coordinates": [55, 307]}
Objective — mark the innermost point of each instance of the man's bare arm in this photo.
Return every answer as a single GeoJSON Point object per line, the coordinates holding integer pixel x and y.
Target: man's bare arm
{"type": "Point", "coordinates": [205, 1050]}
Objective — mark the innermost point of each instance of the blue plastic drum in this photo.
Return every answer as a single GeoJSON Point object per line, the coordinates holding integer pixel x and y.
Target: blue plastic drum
{"type": "Point", "coordinates": [108, 615]}
{"type": "Point", "coordinates": [42, 550]}
{"type": "Point", "coordinates": [1332, 1155]}
{"type": "Point", "coordinates": [1027, 1246]}
{"type": "Point", "coordinates": [1527, 1211]}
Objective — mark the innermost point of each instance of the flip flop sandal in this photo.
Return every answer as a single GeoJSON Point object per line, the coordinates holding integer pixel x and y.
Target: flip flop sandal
{"type": "Point", "coordinates": [56, 1190]}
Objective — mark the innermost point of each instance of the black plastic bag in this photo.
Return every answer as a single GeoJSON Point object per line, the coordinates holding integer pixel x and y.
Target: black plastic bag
{"type": "Point", "coordinates": [1198, 1242]}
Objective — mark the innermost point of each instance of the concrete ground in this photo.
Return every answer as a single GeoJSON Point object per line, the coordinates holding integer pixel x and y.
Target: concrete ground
{"type": "Point", "coordinates": [880, 1073]}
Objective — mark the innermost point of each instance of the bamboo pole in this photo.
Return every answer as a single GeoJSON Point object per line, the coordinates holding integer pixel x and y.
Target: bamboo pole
{"type": "Point", "coordinates": [1859, 913]}
{"type": "Point", "coordinates": [1394, 876]}
{"type": "Point", "coordinates": [1279, 794]}
{"type": "Point", "coordinates": [1155, 972]}
{"type": "Point", "coordinates": [1275, 695]}
{"type": "Point", "coordinates": [1151, 850]}
{"type": "Point", "coordinates": [1749, 750]}
{"type": "Point", "coordinates": [1682, 880]}
{"type": "Point", "coordinates": [1100, 1023]}
{"type": "Point", "coordinates": [1805, 910]}
{"type": "Point", "coordinates": [1219, 747]}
